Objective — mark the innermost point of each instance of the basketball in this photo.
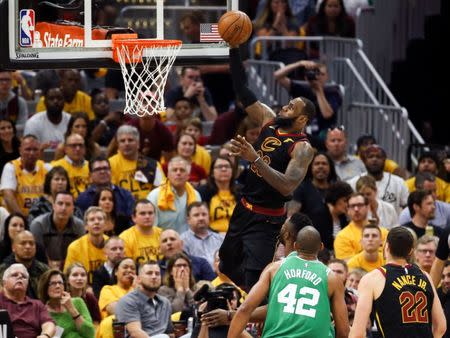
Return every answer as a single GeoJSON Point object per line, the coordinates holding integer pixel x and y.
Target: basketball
{"type": "Point", "coordinates": [235, 27]}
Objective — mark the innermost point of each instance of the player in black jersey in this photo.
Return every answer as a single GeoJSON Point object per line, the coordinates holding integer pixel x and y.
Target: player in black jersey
{"type": "Point", "coordinates": [279, 161]}
{"type": "Point", "coordinates": [400, 296]}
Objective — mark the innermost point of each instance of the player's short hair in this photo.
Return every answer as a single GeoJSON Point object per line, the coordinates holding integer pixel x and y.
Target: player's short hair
{"type": "Point", "coordinates": [401, 242]}
{"type": "Point", "coordinates": [297, 222]}
{"type": "Point", "coordinates": [309, 110]}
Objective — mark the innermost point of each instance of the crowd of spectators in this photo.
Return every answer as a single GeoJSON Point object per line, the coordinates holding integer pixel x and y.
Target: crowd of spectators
{"type": "Point", "coordinates": [107, 218]}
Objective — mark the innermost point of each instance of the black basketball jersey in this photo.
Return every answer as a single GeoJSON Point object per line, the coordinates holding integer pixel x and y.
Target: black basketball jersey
{"type": "Point", "coordinates": [274, 148]}
{"type": "Point", "coordinates": [404, 307]}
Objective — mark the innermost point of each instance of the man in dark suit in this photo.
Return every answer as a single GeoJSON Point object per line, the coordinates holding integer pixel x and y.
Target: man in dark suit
{"type": "Point", "coordinates": [114, 251]}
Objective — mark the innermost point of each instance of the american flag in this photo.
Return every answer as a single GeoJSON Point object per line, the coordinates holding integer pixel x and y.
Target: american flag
{"type": "Point", "coordinates": [209, 32]}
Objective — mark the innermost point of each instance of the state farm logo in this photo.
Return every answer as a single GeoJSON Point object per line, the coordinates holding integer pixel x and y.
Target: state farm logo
{"type": "Point", "coordinates": [57, 40]}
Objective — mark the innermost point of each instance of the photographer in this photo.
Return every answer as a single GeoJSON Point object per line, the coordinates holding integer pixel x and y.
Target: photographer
{"type": "Point", "coordinates": [327, 99]}
{"type": "Point", "coordinates": [216, 310]}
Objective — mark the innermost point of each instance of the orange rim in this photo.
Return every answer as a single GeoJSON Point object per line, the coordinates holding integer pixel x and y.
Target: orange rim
{"type": "Point", "coordinates": [130, 41]}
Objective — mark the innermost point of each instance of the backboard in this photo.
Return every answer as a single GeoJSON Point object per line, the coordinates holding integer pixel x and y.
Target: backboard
{"type": "Point", "coordinates": [77, 33]}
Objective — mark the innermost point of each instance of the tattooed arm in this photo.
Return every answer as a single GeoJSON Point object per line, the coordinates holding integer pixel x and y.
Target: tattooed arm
{"type": "Point", "coordinates": [286, 182]}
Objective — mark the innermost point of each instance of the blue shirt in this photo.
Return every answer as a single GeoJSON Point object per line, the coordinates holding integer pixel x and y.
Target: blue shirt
{"type": "Point", "coordinates": [202, 247]}
{"type": "Point", "coordinates": [441, 215]}
{"type": "Point", "coordinates": [124, 199]}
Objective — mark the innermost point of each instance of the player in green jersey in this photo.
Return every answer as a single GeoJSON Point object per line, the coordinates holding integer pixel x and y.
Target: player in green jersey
{"type": "Point", "coordinates": [301, 292]}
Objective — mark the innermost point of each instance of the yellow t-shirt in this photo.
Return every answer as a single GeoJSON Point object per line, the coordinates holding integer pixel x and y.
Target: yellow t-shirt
{"type": "Point", "coordinates": [202, 157]}
{"type": "Point", "coordinates": [442, 188]}
{"type": "Point", "coordinates": [80, 103]}
{"type": "Point", "coordinates": [110, 294]}
{"type": "Point", "coordinates": [221, 208]}
{"type": "Point", "coordinates": [348, 241]}
{"type": "Point", "coordinates": [84, 252]}
{"type": "Point", "coordinates": [30, 186]}
{"type": "Point", "coordinates": [123, 174]}
{"type": "Point", "coordinates": [141, 247]}
{"type": "Point", "coordinates": [358, 261]}
{"type": "Point", "coordinates": [78, 176]}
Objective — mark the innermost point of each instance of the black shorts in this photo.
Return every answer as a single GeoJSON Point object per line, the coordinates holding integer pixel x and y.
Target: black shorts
{"type": "Point", "coordinates": [249, 243]}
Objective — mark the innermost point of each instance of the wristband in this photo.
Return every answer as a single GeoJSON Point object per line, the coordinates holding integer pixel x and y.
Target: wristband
{"type": "Point", "coordinates": [256, 160]}
{"type": "Point", "coordinates": [77, 316]}
{"type": "Point", "coordinates": [46, 334]}
{"type": "Point", "coordinates": [229, 316]}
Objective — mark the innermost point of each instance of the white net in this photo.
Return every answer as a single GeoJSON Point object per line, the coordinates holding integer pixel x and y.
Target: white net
{"type": "Point", "coordinates": [145, 70]}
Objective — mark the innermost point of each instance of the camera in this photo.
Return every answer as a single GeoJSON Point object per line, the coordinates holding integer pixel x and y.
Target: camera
{"type": "Point", "coordinates": [217, 299]}
{"type": "Point", "coordinates": [311, 74]}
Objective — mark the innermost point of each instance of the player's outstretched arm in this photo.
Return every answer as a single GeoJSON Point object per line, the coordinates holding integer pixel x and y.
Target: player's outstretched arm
{"type": "Point", "coordinates": [363, 307]}
{"type": "Point", "coordinates": [439, 323]}
{"type": "Point", "coordinates": [338, 308]}
{"type": "Point", "coordinates": [257, 294]}
{"type": "Point", "coordinates": [257, 111]}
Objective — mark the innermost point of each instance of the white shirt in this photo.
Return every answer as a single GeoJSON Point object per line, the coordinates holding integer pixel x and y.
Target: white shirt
{"type": "Point", "coordinates": [40, 126]}
{"type": "Point", "coordinates": [9, 180]}
{"type": "Point", "coordinates": [386, 213]}
{"type": "Point", "coordinates": [391, 188]}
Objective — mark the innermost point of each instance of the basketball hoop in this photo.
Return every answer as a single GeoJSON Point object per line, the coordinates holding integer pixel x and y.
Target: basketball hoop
{"type": "Point", "coordinates": [145, 65]}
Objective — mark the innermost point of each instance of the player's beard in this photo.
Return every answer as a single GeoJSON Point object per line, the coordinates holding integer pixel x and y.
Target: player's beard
{"type": "Point", "coordinates": [284, 122]}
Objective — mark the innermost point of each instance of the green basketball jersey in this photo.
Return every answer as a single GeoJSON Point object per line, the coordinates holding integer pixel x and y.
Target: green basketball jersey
{"type": "Point", "coordinates": [298, 300]}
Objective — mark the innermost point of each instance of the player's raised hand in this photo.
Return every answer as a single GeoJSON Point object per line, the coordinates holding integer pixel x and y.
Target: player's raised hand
{"type": "Point", "coordinates": [241, 147]}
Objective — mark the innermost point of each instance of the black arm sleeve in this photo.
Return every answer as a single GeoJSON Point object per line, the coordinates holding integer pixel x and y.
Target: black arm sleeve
{"type": "Point", "coordinates": [442, 251]}
{"type": "Point", "coordinates": [238, 75]}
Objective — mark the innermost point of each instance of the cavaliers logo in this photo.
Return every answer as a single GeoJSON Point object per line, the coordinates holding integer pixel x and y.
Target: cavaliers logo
{"type": "Point", "coordinates": [270, 143]}
{"type": "Point", "coordinates": [265, 158]}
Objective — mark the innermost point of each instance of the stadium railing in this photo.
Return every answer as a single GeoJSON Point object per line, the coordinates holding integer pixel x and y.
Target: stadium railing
{"type": "Point", "coordinates": [365, 90]}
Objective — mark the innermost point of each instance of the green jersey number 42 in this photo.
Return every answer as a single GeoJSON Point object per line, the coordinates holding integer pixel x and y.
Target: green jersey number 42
{"type": "Point", "coordinates": [304, 305]}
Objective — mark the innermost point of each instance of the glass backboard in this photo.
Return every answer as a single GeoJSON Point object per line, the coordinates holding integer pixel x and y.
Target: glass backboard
{"type": "Point", "coordinates": [77, 33]}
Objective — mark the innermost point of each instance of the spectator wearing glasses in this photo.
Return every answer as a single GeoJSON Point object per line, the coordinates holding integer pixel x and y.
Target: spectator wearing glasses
{"type": "Point", "coordinates": [178, 283]}
{"type": "Point", "coordinates": [348, 241]}
{"type": "Point", "coordinates": [79, 124]}
{"type": "Point", "coordinates": [29, 317]}
{"type": "Point", "coordinates": [425, 252]}
{"type": "Point", "coordinates": [220, 193]}
{"type": "Point", "coordinates": [327, 100]}
{"type": "Point", "coordinates": [75, 164]}
{"type": "Point", "coordinates": [347, 166]}
{"type": "Point", "coordinates": [100, 173]}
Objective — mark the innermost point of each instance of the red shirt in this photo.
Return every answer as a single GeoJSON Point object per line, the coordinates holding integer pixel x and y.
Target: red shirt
{"type": "Point", "coordinates": [26, 317]}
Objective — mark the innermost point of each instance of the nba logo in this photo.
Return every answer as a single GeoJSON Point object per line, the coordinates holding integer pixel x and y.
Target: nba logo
{"type": "Point", "coordinates": [26, 28]}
